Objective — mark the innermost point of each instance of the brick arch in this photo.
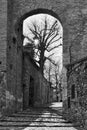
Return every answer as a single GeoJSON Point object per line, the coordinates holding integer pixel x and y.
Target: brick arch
{"type": "Point", "coordinates": [61, 17]}
{"type": "Point", "coordinates": [19, 23]}
{"type": "Point", "coordinates": [18, 30]}
{"type": "Point", "coordinates": [38, 11]}
{"type": "Point", "coordinates": [19, 27]}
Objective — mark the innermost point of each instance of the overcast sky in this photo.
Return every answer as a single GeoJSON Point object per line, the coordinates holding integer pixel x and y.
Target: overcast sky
{"type": "Point", "coordinates": [39, 20]}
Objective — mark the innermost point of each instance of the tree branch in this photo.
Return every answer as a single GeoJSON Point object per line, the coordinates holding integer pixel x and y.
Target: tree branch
{"type": "Point", "coordinates": [54, 47]}
{"type": "Point", "coordinates": [51, 55]}
{"type": "Point", "coordinates": [47, 35]}
{"type": "Point", "coordinates": [55, 40]}
{"type": "Point", "coordinates": [52, 29]}
{"type": "Point", "coordinates": [51, 42]}
{"type": "Point", "coordinates": [52, 61]}
{"type": "Point", "coordinates": [35, 33]}
{"type": "Point", "coordinates": [45, 29]}
{"type": "Point", "coordinates": [29, 39]}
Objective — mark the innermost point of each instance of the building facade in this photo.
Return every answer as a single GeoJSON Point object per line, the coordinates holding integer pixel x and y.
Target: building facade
{"type": "Point", "coordinates": [77, 92]}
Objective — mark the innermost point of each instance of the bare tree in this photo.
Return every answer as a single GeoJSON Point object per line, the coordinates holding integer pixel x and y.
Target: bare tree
{"type": "Point", "coordinates": [48, 72]}
{"type": "Point", "coordinates": [57, 78]}
{"type": "Point", "coordinates": [46, 36]}
{"type": "Point", "coordinates": [53, 75]}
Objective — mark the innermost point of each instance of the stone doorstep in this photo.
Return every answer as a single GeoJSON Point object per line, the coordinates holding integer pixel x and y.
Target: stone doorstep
{"type": "Point", "coordinates": [17, 124]}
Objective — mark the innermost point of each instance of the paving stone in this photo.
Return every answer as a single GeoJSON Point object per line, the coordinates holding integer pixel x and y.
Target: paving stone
{"type": "Point", "coordinates": [31, 119]}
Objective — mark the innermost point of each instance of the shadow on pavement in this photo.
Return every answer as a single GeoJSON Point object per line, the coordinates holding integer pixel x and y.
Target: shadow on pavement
{"type": "Point", "coordinates": [49, 116]}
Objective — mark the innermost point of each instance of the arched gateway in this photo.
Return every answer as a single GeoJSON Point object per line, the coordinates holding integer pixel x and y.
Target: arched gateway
{"type": "Point", "coordinates": [69, 13]}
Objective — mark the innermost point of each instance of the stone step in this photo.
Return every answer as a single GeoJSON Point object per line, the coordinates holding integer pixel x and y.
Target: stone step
{"type": "Point", "coordinates": [34, 124]}
{"type": "Point", "coordinates": [35, 119]}
{"type": "Point", "coordinates": [36, 113]}
{"type": "Point", "coordinates": [38, 128]}
{"type": "Point", "coordinates": [12, 119]}
{"type": "Point", "coordinates": [36, 116]}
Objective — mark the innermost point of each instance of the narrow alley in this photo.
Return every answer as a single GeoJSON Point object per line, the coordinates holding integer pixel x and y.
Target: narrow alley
{"type": "Point", "coordinates": [46, 118]}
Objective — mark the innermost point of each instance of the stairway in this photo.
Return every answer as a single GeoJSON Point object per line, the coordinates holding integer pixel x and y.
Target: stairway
{"type": "Point", "coordinates": [46, 118]}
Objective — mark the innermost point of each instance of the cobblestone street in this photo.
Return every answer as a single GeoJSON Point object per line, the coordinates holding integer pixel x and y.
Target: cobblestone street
{"type": "Point", "coordinates": [47, 118]}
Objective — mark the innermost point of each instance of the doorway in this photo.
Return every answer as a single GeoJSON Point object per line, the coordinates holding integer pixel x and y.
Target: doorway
{"type": "Point", "coordinates": [31, 92]}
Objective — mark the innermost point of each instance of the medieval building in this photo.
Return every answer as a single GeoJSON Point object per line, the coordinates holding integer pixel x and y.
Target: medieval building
{"type": "Point", "coordinates": [72, 15]}
{"type": "Point", "coordinates": [77, 91]}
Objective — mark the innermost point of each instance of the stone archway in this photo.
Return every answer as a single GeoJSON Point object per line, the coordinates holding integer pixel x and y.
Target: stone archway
{"type": "Point", "coordinates": [70, 13]}
{"type": "Point", "coordinates": [18, 41]}
{"type": "Point", "coordinates": [73, 15]}
{"type": "Point", "coordinates": [19, 32]}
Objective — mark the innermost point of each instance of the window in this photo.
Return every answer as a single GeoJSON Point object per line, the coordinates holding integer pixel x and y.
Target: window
{"type": "Point", "coordinates": [73, 91]}
{"type": "Point", "coordinates": [68, 102]}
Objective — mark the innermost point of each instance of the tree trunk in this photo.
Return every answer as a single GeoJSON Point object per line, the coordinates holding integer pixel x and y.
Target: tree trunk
{"type": "Point", "coordinates": [42, 60]}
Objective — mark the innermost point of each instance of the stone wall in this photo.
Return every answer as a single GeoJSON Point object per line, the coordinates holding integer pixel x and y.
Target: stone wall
{"type": "Point", "coordinates": [77, 92]}
{"type": "Point", "coordinates": [41, 86]}
{"type": "Point", "coordinates": [8, 99]}
{"type": "Point", "coordinates": [15, 99]}
{"type": "Point", "coordinates": [3, 87]}
{"type": "Point", "coordinates": [71, 13]}
{"type": "Point", "coordinates": [64, 88]}
{"type": "Point", "coordinates": [3, 34]}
